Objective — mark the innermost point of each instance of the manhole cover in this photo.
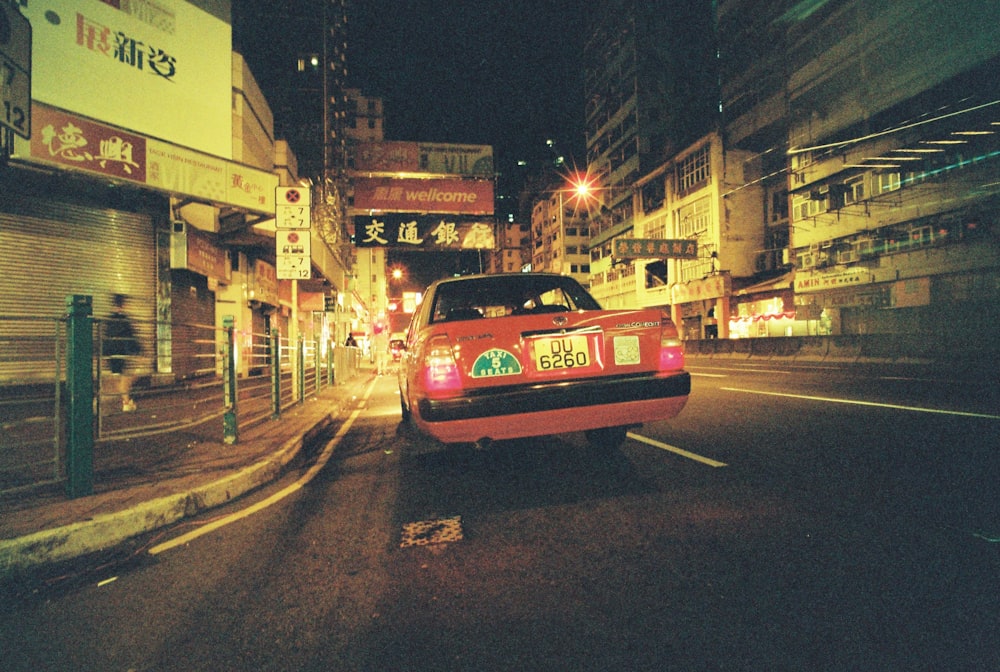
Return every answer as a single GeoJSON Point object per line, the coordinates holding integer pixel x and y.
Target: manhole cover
{"type": "Point", "coordinates": [435, 531]}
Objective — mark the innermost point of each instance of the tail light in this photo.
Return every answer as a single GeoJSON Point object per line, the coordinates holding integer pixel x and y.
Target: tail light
{"type": "Point", "coordinates": [671, 348]}
{"type": "Point", "coordinates": [440, 368]}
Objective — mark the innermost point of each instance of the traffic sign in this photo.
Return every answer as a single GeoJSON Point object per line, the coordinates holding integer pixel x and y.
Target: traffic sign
{"type": "Point", "coordinates": [293, 253]}
{"type": "Point", "coordinates": [15, 71]}
{"type": "Point", "coordinates": [291, 208]}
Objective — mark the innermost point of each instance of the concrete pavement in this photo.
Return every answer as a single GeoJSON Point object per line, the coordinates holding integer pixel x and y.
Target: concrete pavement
{"type": "Point", "coordinates": [144, 484]}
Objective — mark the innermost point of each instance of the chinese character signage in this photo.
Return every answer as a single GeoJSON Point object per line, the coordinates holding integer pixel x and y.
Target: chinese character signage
{"type": "Point", "coordinates": [78, 143]}
{"type": "Point", "coordinates": [423, 232]}
{"type": "Point", "coordinates": [446, 196]}
{"type": "Point", "coordinates": [160, 69]}
{"type": "Point", "coordinates": [806, 281]}
{"type": "Point", "coordinates": [423, 157]}
{"type": "Point", "coordinates": [71, 141]}
{"type": "Point", "coordinates": [658, 248]}
{"type": "Point", "coordinates": [712, 287]}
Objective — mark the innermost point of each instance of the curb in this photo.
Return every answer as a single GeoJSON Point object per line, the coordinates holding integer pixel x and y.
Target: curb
{"type": "Point", "coordinates": [107, 530]}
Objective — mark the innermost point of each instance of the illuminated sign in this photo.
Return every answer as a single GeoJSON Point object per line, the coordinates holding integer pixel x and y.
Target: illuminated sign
{"type": "Point", "coordinates": [162, 69]}
{"type": "Point", "coordinates": [447, 196]}
{"type": "Point", "coordinates": [423, 232]}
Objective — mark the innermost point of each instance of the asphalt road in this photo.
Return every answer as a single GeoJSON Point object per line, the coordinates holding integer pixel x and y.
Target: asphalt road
{"type": "Point", "coordinates": [788, 519]}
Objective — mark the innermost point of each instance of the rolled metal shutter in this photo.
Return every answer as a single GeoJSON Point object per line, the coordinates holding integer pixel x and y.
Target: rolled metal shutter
{"type": "Point", "coordinates": [193, 335]}
{"type": "Point", "coordinates": [50, 250]}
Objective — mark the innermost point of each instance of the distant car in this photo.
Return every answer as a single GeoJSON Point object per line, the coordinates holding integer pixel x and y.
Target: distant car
{"type": "Point", "coordinates": [396, 349]}
{"type": "Point", "coordinates": [496, 357]}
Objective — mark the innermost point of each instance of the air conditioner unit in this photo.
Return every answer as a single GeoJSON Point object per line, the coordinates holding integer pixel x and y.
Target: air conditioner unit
{"type": "Point", "coordinates": [808, 260]}
{"type": "Point", "coordinates": [847, 256]}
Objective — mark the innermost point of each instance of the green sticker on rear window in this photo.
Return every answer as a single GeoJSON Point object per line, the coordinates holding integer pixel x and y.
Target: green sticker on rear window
{"type": "Point", "coordinates": [495, 362]}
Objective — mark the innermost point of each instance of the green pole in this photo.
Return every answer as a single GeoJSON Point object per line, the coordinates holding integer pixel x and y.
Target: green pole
{"type": "Point", "coordinates": [80, 386]}
{"type": "Point", "coordinates": [329, 362]}
{"type": "Point", "coordinates": [275, 373]}
{"type": "Point", "coordinates": [301, 369]}
{"type": "Point", "coordinates": [316, 364]}
{"type": "Point", "coordinates": [230, 424]}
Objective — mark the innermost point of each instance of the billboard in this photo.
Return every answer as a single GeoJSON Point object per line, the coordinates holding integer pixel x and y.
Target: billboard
{"type": "Point", "coordinates": [423, 232]}
{"type": "Point", "coordinates": [64, 139]}
{"type": "Point", "coordinates": [423, 157]}
{"type": "Point", "coordinates": [438, 195]}
{"type": "Point", "coordinates": [162, 69]}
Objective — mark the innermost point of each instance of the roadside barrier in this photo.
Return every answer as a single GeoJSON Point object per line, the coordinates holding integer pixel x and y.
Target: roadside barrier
{"type": "Point", "coordinates": [62, 394]}
{"type": "Point", "coordinates": [957, 353]}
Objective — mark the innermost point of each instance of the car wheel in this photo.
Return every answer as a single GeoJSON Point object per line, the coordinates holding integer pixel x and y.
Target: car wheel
{"type": "Point", "coordinates": [404, 411]}
{"type": "Point", "coordinates": [606, 438]}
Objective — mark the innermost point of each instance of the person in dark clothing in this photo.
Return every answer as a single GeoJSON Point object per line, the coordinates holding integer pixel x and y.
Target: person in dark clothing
{"type": "Point", "coordinates": [119, 344]}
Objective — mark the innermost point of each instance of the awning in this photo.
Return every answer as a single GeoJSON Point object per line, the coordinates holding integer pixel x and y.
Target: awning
{"type": "Point", "coordinates": [772, 285]}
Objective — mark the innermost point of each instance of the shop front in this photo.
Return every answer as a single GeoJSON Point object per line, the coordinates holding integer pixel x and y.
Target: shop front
{"type": "Point", "coordinates": [765, 309]}
{"type": "Point", "coordinates": [698, 305]}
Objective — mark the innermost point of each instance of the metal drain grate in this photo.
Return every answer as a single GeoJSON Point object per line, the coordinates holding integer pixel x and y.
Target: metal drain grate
{"type": "Point", "coordinates": [434, 531]}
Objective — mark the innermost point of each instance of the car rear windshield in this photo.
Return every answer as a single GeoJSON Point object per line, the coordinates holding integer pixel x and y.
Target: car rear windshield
{"type": "Point", "coordinates": [503, 295]}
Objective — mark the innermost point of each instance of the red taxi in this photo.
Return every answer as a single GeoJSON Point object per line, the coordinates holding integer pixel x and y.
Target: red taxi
{"type": "Point", "coordinates": [493, 357]}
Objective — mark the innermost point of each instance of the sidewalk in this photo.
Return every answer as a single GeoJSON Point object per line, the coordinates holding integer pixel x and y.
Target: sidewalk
{"type": "Point", "coordinates": [147, 483]}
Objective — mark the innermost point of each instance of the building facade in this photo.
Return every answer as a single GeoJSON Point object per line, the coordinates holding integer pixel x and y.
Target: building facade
{"type": "Point", "coordinates": [169, 200]}
{"type": "Point", "coordinates": [650, 90]}
{"type": "Point", "coordinates": [560, 231]}
{"type": "Point", "coordinates": [854, 185]}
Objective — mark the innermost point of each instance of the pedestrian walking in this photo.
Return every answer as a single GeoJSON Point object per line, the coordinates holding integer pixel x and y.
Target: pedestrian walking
{"type": "Point", "coordinates": [119, 345]}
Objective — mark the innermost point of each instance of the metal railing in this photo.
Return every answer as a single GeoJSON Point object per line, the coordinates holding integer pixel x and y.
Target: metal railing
{"type": "Point", "coordinates": [32, 433]}
{"type": "Point", "coordinates": [54, 407]}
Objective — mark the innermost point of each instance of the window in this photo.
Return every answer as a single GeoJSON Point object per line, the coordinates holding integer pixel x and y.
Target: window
{"type": "Point", "coordinates": [694, 218]}
{"type": "Point", "coordinates": [886, 182]}
{"type": "Point", "coordinates": [693, 169]}
{"type": "Point", "coordinates": [657, 227]}
{"type": "Point", "coordinates": [809, 205]}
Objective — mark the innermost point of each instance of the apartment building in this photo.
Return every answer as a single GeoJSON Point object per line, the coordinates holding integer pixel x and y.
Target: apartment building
{"type": "Point", "coordinates": [862, 180]}
{"type": "Point", "coordinates": [650, 90]}
{"type": "Point", "coordinates": [560, 231]}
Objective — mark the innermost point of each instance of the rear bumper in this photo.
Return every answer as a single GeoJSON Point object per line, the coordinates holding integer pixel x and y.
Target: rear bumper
{"type": "Point", "coordinates": [553, 408]}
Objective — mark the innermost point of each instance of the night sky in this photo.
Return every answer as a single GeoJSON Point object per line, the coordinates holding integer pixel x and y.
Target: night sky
{"type": "Point", "coordinates": [506, 73]}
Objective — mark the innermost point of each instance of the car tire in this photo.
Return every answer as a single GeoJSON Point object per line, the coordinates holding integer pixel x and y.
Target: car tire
{"type": "Point", "coordinates": [404, 411]}
{"type": "Point", "coordinates": [606, 438]}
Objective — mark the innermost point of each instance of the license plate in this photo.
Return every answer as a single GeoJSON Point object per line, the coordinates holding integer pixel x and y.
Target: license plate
{"type": "Point", "coordinates": [562, 352]}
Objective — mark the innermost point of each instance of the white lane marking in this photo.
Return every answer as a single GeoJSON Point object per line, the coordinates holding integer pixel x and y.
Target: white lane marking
{"type": "Point", "coordinates": [674, 449]}
{"type": "Point", "coordinates": [898, 407]}
{"type": "Point", "coordinates": [740, 369]}
{"type": "Point", "coordinates": [276, 497]}
{"type": "Point", "coordinates": [709, 375]}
